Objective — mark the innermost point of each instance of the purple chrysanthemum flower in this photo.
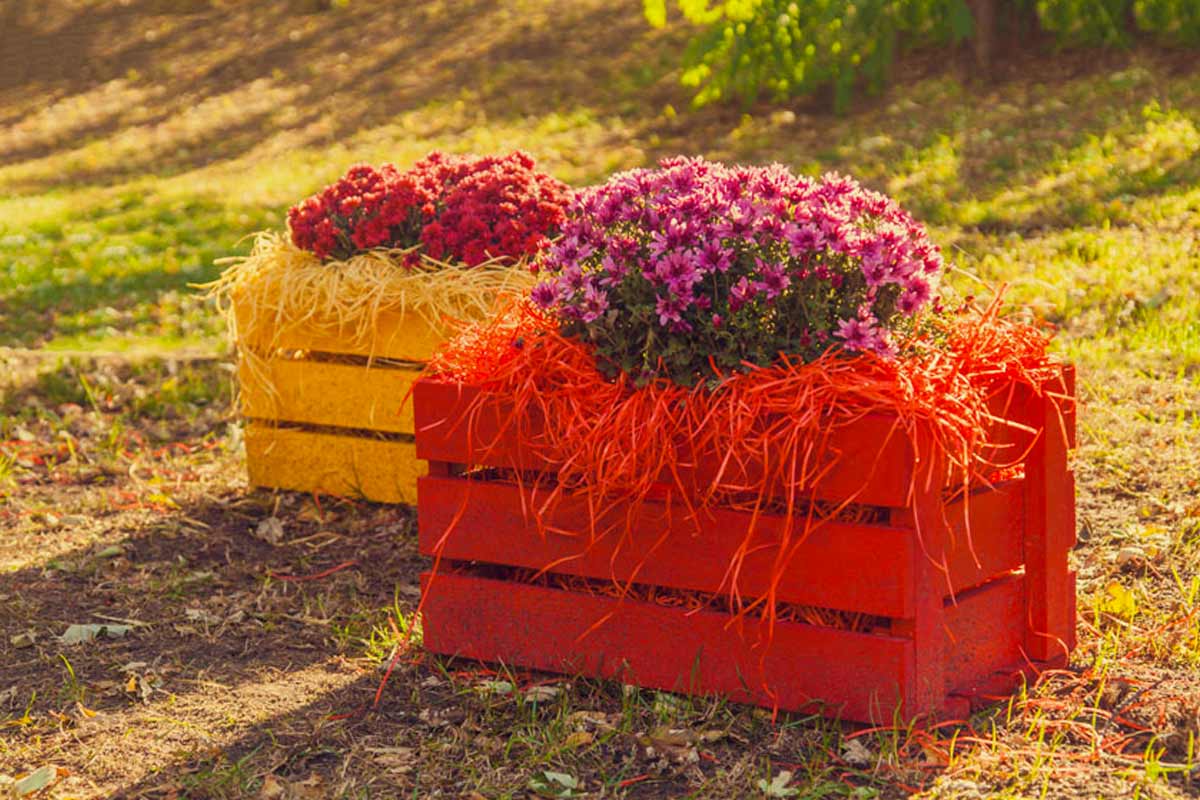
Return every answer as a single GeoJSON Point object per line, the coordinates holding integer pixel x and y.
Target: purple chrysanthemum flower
{"type": "Point", "coordinates": [854, 333]}
{"type": "Point", "coordinates": [545, 294]}
{"type": "Point", "coordinates": [595, 303]}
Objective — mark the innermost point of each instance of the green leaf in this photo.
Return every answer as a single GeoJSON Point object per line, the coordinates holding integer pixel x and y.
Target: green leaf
{"type": "Point", "coordinates": [554, 784]}
{"type": "Point", "coordinates": [655, 12]}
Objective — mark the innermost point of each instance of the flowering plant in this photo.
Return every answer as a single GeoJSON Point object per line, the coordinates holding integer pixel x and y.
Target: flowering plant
{"type": "Point", "coordinates": [698, 268]}
{"type": "Point", "coordinates": [467, 209]}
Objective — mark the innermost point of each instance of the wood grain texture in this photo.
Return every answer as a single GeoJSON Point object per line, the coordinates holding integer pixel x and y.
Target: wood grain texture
{"type": "Point", "coordinates": [401, 337]}
{"type": "Point", "coordinates": [322, 393]}
{"type": "Point", "coordinates": [491, 522]}
{"type": "Point", "coordinates": [848, 675]}
{"type": "Point", "coordinates": [379, 470]}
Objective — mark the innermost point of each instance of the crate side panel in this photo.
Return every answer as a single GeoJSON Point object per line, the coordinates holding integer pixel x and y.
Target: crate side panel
{"type": "Point", "coordinates": [323, 393]}
{"type": "Point", "coordinates": [379, 470]}
{"type": "Point", "coordinates": [861, 568]}
{"type": "Point", "coordinates": [855, 676]}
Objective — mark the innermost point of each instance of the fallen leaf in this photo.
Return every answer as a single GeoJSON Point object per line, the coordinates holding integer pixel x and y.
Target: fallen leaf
{"type": "Point", "coordinates": [778, 786]}
{"type": "Point", "coordinates": [8, 696]}
{"type": "Point", "coordinates": [554, 784]}
{"type": "Point", "coordinates": [670, 737]}
{"type": "Point", "coordinates": [79, 634]}
{"type": "Point", "coordinates": [542, 693]}
{"type": "Point", "coordinates": [597, 719]}
{"type": "Point", "coordinates": [1119, 601]}
{"type": "Point", "coordinates": [202, 616]}
{"type": "Point", "coordinates": [272, 789]}
{"type": "Point", "coordinates": [579, 739]}
{"type": "Point", "coordinates": [36, 781]}
{"type": "Point", "coordinates": [856, 754]}
{"type": "Point", "coordinates": [25, 639]}
{"type": "Point", "coordinates": [675, 743]}
{"type": "Point", "coordinates": [494, 687]}
{"type": "Point", "coordinates": [270, 530]}
{"type": "Point", "coordinates": [394, 759]}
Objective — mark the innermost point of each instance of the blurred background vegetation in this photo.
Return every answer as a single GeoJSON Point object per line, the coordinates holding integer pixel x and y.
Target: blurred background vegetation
{"type": "Point", "coordinates": [781, 48]}
{"type": "Point", "coordinates": [143, 140]}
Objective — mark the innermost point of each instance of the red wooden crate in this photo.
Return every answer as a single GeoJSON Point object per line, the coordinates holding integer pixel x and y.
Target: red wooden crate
{"type": "Point", "coordinates": [951, 620]}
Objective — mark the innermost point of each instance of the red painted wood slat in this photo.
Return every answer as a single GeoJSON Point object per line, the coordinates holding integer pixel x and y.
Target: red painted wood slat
{"type": "Point", "coordinates": [1049, 535]}
{"type": "Point", "coordinates": [874, 456]}
{"type": "Point", "coordinates": [984, 629]}
{"type": "Point", "coordinates": [490, 522]}
{"type": "Point", "coordinates": [858, 676]}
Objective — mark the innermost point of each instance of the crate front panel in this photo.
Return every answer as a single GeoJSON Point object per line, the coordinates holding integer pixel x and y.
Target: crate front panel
{"type": "Point", "coordinates": [855, 676]}
{"type": "Point", "coordinates": [369, 397]}
{"type": "Point", "coordinates": [380, 470]}
{"type": "Point", "coordinates": [395, 336]}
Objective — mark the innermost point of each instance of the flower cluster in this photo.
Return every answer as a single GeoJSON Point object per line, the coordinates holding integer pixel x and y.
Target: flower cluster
{"type": "Point", "coordinates": [497, 208]}
{"type": "Point", "coordinates": [464, 209]}
{"type": "Point", "coordinates": [697, 267]}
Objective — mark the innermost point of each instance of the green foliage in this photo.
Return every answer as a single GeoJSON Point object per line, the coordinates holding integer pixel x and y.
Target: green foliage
{"type": "Point", "coordinates": [787, 47]}
{"type": "Point", "coordinates": [782, 48]}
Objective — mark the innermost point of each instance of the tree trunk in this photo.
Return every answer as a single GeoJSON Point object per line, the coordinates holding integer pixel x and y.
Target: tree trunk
{"type": "Point", "coordinates": [984, 40]}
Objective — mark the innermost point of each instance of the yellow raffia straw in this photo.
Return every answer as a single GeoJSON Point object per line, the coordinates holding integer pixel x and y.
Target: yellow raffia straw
{"type": "Point", "coordinates": [280, 288]}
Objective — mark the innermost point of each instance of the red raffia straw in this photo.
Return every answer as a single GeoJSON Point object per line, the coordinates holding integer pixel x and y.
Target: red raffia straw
{"type": "Point", "coordinates": [279, 576]}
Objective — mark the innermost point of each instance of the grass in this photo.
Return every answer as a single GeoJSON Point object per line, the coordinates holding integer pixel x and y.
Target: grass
{"type": "Point", "coordinates": [1075, 179]}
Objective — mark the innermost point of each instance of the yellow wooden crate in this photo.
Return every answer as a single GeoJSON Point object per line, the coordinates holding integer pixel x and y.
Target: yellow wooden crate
{"type": "Point", "coordinates": [330, 409]}
{"type": "Point", "coordinates": [381, 470]}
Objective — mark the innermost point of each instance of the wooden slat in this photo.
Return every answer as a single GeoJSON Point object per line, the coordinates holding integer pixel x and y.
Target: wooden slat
{"type": "Point", "coordinates": [926, 692]}
{"type": "Point", "coordinates": [402, 337]}
{"type": "Point", "coordinates": [985, 633]}
{"type": "Point", "coordinates": [983, 538]}
{"type": "Point", "coordinates": [874, 457]}
{"type": "Point", "coordinates": [323, 393]}
{"type": "Point", "coordinates": [1049, 534]}
{"type": "Point", "coordinates": [491, 522]}
{"type": "Point", "coordinates": [990, 547]}
{"type": "Point", "coordinates": [854, 676]}
{"type": "Point", "coordinates": [379, 470]}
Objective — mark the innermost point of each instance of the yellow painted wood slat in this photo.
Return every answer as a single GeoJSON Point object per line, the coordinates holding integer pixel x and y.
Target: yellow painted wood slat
{"type": "Point", "coordinates": [379, 470]}
{"type": "Point", "coordinates": [400, 337]}
{"type": "Point", "coordinates": [323, 393]}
